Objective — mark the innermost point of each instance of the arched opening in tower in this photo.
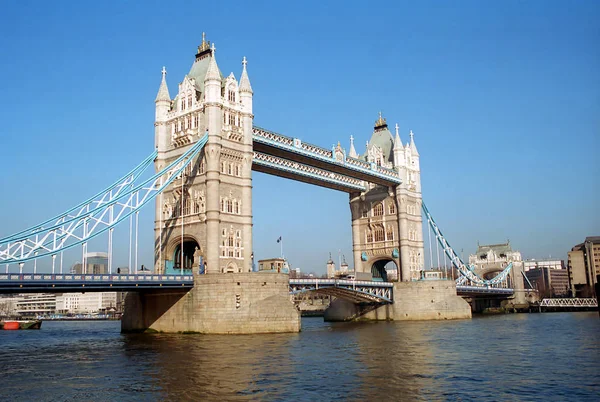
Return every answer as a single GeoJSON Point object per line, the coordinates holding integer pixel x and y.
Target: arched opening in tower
{"type": "Point", "coordinates": [189, 248]}
{"type": "Point", "coordinates": [384, 270]}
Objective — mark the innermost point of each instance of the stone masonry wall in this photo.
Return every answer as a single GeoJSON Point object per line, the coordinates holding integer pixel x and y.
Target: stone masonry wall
{"type": "Point", "coordinates": [245, 303]}
{"type": "Point", "coordinates": [418, 300]}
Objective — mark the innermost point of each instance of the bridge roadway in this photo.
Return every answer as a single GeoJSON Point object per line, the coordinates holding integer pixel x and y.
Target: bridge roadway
{"type": "Point", "coordinates": [360, 292]}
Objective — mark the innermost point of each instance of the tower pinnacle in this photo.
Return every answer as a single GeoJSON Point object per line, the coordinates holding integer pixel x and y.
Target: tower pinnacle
{"type": "Point", "coordinates": [413, 146]}
{"type": "Point", "coordinates": [203, 47]}
{"type": "Point", "coordinates": [381, 123]}
{"type": "Point", "coordinates": [244, 80]}
{"type": "Point", "coordinates": [213, 70]}
{"type": "Point", "coordinates": [163, 90]}
{"type": "Point", "coordinates": [397, 140]}
{"type": "Point", "coordinates": [352, 153]}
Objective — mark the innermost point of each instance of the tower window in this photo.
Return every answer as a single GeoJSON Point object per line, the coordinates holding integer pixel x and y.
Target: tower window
{"type": "Point", "coordinates": [379, 234]}
{"type": "Point", "coordinates": [378, 210]}
{"type": "Point", "coordinates": [392, 208]}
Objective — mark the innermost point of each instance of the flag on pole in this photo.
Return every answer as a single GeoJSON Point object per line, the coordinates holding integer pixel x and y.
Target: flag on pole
{"type": "Point", "coordinates": [279, 240]}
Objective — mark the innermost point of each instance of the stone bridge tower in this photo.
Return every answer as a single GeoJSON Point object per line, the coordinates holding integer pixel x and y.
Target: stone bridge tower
{"type": "Point", "coordinates": [206, 215]}
{"type": "Point", "coordinates": [386, 222]}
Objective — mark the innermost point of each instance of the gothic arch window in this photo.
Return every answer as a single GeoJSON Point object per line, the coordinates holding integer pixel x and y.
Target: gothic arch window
{"type": "Point", "coordinates": [229, 206]}
{"type": "Point", "coordinates": [369, 236]}
{"type": "Point", "coordinates": [223, 209]}
{"type": "Point", "coordinates": [231, 95]}
{"type": "Point", "coordinates": [379, 234]}
{"type": "Point", "coordinates": [378, 209]}
{"type": "Point", "coordinates": [237, 170]}
{"type": "Point", "coordinates": [392, 208]}
{"type": "Point", "coordinates": [186, 206]}
{"type": "Point", "coordinates": [390, 233]}
{"type": "Point", "coordinates": [230, 169]}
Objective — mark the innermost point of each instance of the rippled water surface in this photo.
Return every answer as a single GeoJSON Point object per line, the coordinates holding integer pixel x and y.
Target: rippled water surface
{"type": "Point", "coordinates": [510, 357]}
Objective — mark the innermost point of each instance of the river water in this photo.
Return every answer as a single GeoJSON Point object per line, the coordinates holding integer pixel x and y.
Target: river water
{"type": "Point", "coordinates": [551, 356]}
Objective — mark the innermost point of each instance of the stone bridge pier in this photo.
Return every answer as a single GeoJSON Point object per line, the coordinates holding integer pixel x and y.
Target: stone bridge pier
{"type": "Point", "coordinates": [207, 214]}
{"type": "Point", "coordinates": [413, 301]}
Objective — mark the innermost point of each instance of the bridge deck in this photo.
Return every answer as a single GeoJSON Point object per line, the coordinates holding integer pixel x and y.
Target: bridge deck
{"type": "Point", "coordinates": [59, 283]}
{"type": "Point", "coordinates": [356, 291]}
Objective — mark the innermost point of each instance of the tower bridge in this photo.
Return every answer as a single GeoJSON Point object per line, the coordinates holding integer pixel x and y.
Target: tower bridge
{"type": "Point", "coordinates": [206, 147]}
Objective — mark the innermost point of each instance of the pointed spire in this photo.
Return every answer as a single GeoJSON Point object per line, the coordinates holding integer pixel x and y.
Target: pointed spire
{"type": "Point", "coordinates": [380, 123]}
{"type": "Point", "coordinates": [244, 80]}
{"type": "Point", "coordinates": [413, 147]}
{"type": "Point", "coordinates": [330, 260]}
{"type": "Point", "coordinates": [163, 90]}
{"type": "Point", "coordinates": [352, 153]}
{"type": "Point", "coordinates": [397, 140]}
{"type": "Point", "coordinates": [213, 70]}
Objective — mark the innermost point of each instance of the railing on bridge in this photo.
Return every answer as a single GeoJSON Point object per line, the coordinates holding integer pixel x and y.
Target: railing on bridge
{"type": "Point", "coordinates": [361, 292]}
{"type": "Point", "coordinates": [57, 283]}
{"type": "Point", "coordinates": [296, 146]}
{"type": "Point", "coordinates": [474, 291]}
{"type": "Point", "coordinates": [311, 172]}
{"type": "Point", "coordinates": [570, 303]}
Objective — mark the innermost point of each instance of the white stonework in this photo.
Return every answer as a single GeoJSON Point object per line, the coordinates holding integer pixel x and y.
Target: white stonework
{"type": "Point", "coordinates": [386, 222]}
{"type": "Point", "coordinates": [214, 197]}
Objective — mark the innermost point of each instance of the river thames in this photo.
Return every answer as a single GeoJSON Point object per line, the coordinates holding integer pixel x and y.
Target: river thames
{"type": "Point", "coordinates": [522, 357]}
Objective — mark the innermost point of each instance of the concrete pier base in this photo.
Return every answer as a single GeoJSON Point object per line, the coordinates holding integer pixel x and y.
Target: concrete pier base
{"type": "Point", "coordinates": [424, 300]}
{"type": "Point", "coordinates": [247, 303]}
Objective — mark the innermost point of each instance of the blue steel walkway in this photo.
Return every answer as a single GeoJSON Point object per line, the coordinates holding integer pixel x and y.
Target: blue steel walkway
{"type": "Point", "coordinates": [59, 283]}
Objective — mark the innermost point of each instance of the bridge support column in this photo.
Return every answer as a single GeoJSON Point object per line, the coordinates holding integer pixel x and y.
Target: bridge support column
{"type": "Point", "coordinates": [417, 300]}
{"type": "Point", "coordinates": [244, 303]}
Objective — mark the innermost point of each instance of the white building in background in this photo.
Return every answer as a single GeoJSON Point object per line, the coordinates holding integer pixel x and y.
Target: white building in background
{"type": "Point", "coordinates": [549, 263]}
{"type": "Point", "coordinates": [85, 302]}
{"type": "Point", "coordinates": [33, 305]}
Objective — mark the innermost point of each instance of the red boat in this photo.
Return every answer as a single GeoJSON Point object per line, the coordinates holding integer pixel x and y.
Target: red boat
{"type": "Point", "coordinates": [20, 324]}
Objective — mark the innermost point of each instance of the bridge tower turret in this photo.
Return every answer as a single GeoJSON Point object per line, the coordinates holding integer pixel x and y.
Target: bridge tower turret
{"type": "Point", "coordinates": [410, 220]}
{"type": "Point", "coordinates": [212, 110]}
{"type": "Point", "coordinates": [398, 150]}
{"type": "Point", "coordinates": [247, 121]}
{"type": "Point", "coordinates": [163, 104]}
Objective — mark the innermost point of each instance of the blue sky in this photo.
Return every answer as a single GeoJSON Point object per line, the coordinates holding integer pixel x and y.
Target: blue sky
{"type": "Point", "coordinates": [503, 98]}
